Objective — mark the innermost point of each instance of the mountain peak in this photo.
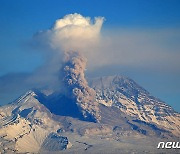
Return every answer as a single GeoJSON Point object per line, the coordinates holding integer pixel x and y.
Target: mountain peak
{"type": "Point", "coordinates": [118, 83]}
{"type": "Point", "coordinates": [133, 100]}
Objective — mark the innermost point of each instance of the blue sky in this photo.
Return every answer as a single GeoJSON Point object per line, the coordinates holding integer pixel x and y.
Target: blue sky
{"type": "Point", "coordinates": [159, 19]}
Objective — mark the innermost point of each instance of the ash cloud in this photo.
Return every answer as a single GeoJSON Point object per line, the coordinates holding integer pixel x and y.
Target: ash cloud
{"type": "Point", "coordinates": [77, 86]}
{"type": "Point", "coordinates": [70, 37]}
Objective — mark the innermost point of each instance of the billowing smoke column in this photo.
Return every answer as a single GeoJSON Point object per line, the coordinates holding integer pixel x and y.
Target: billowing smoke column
{"type": "Point", "coordinates": [74, 79]}
{"type": "Point", "coordinates": [72, 35]}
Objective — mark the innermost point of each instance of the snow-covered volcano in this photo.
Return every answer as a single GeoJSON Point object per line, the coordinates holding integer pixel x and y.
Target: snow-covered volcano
{"type": "Point", "coordinates": [129, 120]}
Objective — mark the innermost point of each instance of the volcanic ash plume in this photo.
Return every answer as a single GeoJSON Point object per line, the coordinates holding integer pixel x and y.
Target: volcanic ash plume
{"type": "Point", "coordinates": [74, 32]}
{"type": "Point", "coordinates": [77, 86]}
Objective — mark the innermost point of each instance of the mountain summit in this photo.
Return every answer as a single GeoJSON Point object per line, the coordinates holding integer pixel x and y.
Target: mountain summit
{"type": "Point", "coordinates": [129, 120]}
{"type": "Point", "coordinates": [133, 100]}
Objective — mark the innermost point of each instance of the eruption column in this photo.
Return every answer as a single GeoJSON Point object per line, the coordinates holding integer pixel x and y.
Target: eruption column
{"type": "Point", "coordinates": [77, 86]}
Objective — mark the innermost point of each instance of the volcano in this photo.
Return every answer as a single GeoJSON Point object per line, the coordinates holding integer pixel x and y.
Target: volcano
{"type": "Point", "coordinates": [129, 120]}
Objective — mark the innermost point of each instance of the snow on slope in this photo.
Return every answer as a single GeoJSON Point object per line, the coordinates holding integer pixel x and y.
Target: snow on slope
{"type": "Point", "coordinates": [133, 100]}
{"type": "Point", "coordinates": [25, 123]}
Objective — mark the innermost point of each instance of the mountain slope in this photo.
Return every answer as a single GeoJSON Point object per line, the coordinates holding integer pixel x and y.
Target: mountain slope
{"type": "Point", "coordinates": [25, 124]}
{"type": "Point", "coordinates": [126, 95]}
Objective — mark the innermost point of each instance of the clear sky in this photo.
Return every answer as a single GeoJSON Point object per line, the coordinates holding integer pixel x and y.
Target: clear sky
{"type": "Point", "coordinates": [157, 19]}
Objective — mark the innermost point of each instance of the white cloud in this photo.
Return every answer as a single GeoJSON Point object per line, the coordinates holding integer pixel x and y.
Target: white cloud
{"type": "Point", "coordinates": [75, 32]}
